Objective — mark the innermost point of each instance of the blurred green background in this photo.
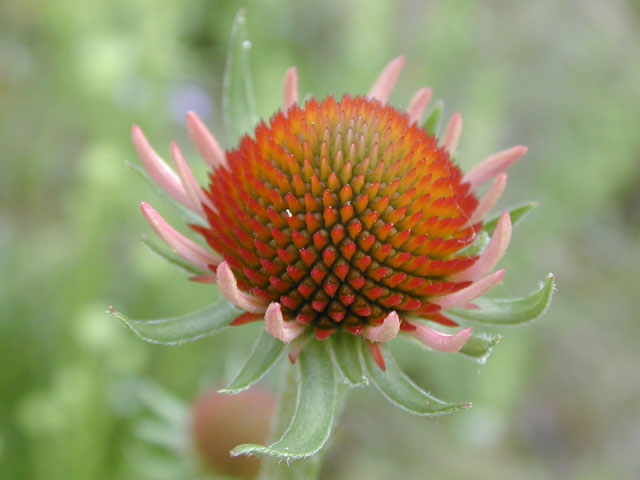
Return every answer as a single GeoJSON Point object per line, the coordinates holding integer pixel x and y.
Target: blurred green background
{"type": "Point", "coordinates": [558, 399]}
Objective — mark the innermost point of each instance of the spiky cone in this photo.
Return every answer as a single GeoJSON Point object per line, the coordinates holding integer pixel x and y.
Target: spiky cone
{"type": "Point", "coordinates": [345, 220]}
{"type": "Point", "coordinates": [340, 215]}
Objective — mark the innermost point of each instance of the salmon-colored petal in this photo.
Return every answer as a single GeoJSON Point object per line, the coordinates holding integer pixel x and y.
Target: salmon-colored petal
{"type": "Point", "coordinates": [205, 142]}
{"type": "Point", "coordinates": [182, 245]}
{"type": "Point", "coordinates": [384, 332]}
{"type": "Point", "coordinates": [418, 104]}
{"type": "Point", "coordinates": [493, 165]}
{"type": "Point", "coordinates": [381, 88]}
{"type": "Point", "coordinates": [473, 291]}
{"type": "Point", "coordinates": [452, 133]}
{"type": "Point", "coordinates": [290, 87]}
{"type": "Point", "coordinates": [490, 199]}
{"type": "Point", "coordinates": [275, 324]}
{"type": "Point", "coordinates": [158, 170]}
{"type": "Point", "coordinates": [229, 289]}
{"type": "Point", "coordinates": [439, 341]}
{"type": "Point", "coordinates": [492, 254]}
{"type": "Point", "coordinates": [194, 192]}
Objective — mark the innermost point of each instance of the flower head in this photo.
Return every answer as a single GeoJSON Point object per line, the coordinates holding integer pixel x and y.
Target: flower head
{"type": "Point", "coordinates": [340, 215]}
{"type": "Point", "coordinates": [341, 219]}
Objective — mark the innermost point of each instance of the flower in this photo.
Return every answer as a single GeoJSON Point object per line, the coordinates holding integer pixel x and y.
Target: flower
{"type": "Point", "coordinates": [340, 215]}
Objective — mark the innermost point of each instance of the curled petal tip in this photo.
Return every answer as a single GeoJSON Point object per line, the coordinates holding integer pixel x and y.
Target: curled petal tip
{"type": "Point", "coordinates": [492, 254]}
{"type": "Point", "coordinates": [275, 324]}
{"type": "Point", "coordinates": [385, 82]}
{"type": "Point", "coordinates": [439, 341]}
{"type": "Point", "coordinates": [229, 289]}
{"type": "Point", "coordinates": [473, 291]}
{"type": "Point", "coordinates": [290, 87]}
{"type": "Point", "coordinates": [493, 165]}
{"type": "Point", "coordinates": [384, 332]}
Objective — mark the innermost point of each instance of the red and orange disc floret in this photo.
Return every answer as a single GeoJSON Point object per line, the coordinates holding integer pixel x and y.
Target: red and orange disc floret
{"type": "Point", "coordinates": [342, 212]}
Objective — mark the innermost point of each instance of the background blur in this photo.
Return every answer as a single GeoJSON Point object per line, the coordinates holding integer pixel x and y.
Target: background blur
{"type": "Point", "coordinates": [558, 398]}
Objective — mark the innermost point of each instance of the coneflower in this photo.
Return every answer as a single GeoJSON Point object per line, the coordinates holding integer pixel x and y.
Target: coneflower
{"type": "Point", "coordinates": [350, 219]}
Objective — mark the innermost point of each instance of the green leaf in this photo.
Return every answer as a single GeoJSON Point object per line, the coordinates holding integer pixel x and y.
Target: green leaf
{"type": "Point", "coordinates": [238, 104]}
{"type": "Point", "coordinates": [266, 351]}
{"type": "Point", "coordinates": [346, 353]}
{"type": "Point", "coordinates": [171, 257]}
{"type": "Point", "coordinates": [480, 346]}
{"type": "Point", "coordinates": [184, 212]}
{"type": "Point", "coordinates": [185, 328]}
{"type": "Point", "coordinates": [396, 387]}
{"type": "Point", "coordinates": [517, 214]}
{"type": "Point", "coordinates": [432, 123]}
{"type": "Point", "coordinates": [315, 409]}
{"type": "Point", "coordinates": [510, 311]}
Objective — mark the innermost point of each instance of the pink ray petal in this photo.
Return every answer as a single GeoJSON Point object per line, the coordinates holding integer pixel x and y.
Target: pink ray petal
{"type": "Point", "coordinates": [159, 171]}
{"type": "Point", "coordinates": [490, 199]}
{"type": "Point", "coordinates": [205, 142]}
{"type": "Point", "coordinates": [439, 341]}
{"type": "Point", "coordinates": [290, 87]}
{"type": "Point", "coordinates": [194, 191]}
{"type": "Point", "coordinates": [376, 352]}
{"type": "Point", "coordinates": [182, 245]}
{"type": "Point", "coordinates": [275, 325]}
{"type": "Point", "coordinates": [491, 255]}
{"type": "Point", "coordinates": [229, 289]}
{"type": "Point", "coordinates": [473, 291]}
{"type": "Point", "coordinates": [385, 82]}
{"type": "Point", "coordinates": [452, 133]}
{"type": "Point", "coordinates": [384, 332]}
{"type": "Point", "coordinates": [208, 278]}
{"type": "Point", "coordinates": [493, 165]}
{"type": "Point", "coordinates": [418, 104]}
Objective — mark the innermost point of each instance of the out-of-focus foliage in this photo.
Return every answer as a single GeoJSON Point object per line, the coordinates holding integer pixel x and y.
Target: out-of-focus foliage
{"type": "Point", "coordinates": [558, 398]}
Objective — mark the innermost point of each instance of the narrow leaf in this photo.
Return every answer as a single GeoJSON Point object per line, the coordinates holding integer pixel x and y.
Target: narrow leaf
{"type": "Point", "coordinates": [172, 257]}
{"type": "Point", "coordinates": [315, 409]}
{"type": "Point", "coordinates": [396, 387]}
{"type": "Point", "coordinates": [479, 347]}
{"type": "Point", "coordinates": [184, 212]}
{"type": "Point", "coordinates": [185, 328]}
{"type": "Point", "coordinates": [517, 214]}
{"type": "Point", "coordinates": [510, 311]}
{"type": "Point", "coordinates": [432, 123]}
{"type": "Point", "coordinates": [238, 104]}
{"type": "Point", "coordinates": [266, 351]}
{"type": "Point", "coordinates": [345, 349]}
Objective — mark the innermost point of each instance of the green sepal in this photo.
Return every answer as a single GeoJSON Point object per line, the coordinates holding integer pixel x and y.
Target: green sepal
{"type": "Point", "coordinates": [432, 123]}
{"type": "Point", "coordinates": [186, 214]}
{"type": "Point", "coordinates": [184, 328]}
{"type": "Point", "coordinates": [171, 257]}
{"type": "Point", "coordinates": [510, 311]}
{"type": "Point", "coordinates": [312, 420]}
{"type": "Point", "coordinates": [396, 387]}
{"type": "Point", "coordinates": [263, 356]}
{"type": "Point", "coordinates": [238, 104]}
{"type": "Point", "coordinates": [345, 350]}
{"type": "Point", "coordinates": [517, 214]}
{"type": "Point", "coordinates": [479, 347]}
{"type": "Point", "coordinates": [478, 245]}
